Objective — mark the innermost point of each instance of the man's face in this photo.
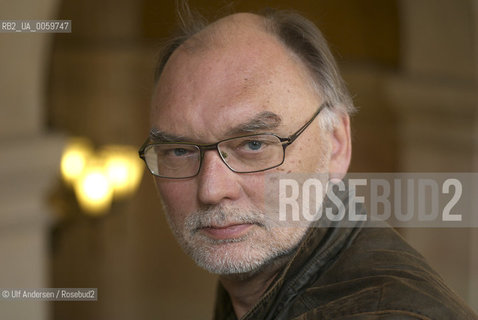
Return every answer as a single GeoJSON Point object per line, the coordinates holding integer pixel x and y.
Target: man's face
{"type": "Point", "coordinates": [219, 216]}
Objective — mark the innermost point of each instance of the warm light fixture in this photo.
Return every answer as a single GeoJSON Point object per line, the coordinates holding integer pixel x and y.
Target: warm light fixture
{"type": "Point", "coordinates": [124, 169]}
{"type": "Point", "coordinates": [97, 178]}
{"type": "Point", "coordinates": [74, 158]}
{"type": "Point", "coordinates": [93, 189]}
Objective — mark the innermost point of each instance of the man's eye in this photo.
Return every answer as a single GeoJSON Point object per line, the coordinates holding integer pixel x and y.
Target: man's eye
{"type": "Point", "coordinates": [179, 152]}
{"type": "Point", "coordinates": [176, 152]}
{"type": "Point", "coordinates": [254, 145]}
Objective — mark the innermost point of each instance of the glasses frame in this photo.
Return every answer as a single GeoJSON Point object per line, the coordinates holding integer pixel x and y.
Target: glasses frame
{"type": "Point", "coordinates": [214, 146]}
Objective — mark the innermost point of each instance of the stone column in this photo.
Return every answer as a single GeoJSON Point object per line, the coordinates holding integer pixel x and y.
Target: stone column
{"type": "Point", "coordinates": [29, 159]}
{"type": "Point", "coordinates": [435, 99]}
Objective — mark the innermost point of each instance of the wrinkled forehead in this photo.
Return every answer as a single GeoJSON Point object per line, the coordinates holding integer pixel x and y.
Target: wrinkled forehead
{"type": "Point", "coordinates": [245, 71]}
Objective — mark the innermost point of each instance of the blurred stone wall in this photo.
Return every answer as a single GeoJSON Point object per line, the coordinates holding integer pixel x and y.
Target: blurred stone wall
{"type": "Point", "coordinates": [434, 95]}
{"type": "Point", "coordinates": [29, 160]}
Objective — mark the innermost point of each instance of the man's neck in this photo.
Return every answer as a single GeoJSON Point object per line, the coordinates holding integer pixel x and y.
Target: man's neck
{"type": "Point", "coordinates": [246, 291]}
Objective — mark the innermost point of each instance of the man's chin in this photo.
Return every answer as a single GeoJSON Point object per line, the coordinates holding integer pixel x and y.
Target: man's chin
{"type": "Point", "coordinates": [249, 250]}
{"type": "Point", "coordinates": [237, 259]}
{"type": "Point", "coordinates": [229, 233]}
{"type": "Point", "coordinates": [226, 257]}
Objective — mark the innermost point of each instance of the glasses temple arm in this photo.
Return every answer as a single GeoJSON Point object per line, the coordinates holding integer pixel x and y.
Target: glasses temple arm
{"type": "Point", "coordinates": [299, 132]}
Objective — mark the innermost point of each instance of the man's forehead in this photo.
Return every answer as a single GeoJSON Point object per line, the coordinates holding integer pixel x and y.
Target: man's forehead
{"type": "Point", "coordinates": [232, 28]}
{"type": "Point", "coordinates": [240, 37]}
{"type": "Point", "coordinates": [236, 47]}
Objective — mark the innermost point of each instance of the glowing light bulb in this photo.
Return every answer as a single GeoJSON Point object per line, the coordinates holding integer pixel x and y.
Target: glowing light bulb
{"type": "Point", "coordinates": [97, 177]}
{"type": "Point", "coordinates": [93, 190]}
{"type": "Point", "coordinates": [123, 168]}
{"type": "Point", "coordinates": [74, 159]}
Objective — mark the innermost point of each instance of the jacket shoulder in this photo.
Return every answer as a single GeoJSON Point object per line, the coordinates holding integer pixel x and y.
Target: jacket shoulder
{"type": "Point", "coordinates": [379, 276]}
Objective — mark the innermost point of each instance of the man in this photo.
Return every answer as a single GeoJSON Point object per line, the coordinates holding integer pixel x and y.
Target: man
{"type": "Point", "coordinates": [239, 100]}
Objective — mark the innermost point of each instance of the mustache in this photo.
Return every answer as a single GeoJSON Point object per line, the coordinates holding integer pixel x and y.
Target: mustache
{"type": "Point", "coordinates": [219, 216]}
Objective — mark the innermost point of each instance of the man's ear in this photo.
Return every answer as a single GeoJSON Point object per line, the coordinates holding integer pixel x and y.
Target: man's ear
{"type": "Point", "coordinates": [341, 148]}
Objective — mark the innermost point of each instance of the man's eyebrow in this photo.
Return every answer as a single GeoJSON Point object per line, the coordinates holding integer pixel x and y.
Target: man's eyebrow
{"type": "Point", "coordinates": [264, 121]}
{"type": "Point", "coordinates": [157, 135]}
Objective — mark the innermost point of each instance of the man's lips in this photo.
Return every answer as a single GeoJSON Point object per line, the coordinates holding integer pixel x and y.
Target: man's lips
{"type": "Point", "coordinates": [227, 232]}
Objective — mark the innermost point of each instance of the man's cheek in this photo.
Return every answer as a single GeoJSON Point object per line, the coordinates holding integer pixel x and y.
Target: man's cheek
{"type": "Point", "coordinates": [255, 188]}
{"type": "Point", "coordinates": [177, 195]}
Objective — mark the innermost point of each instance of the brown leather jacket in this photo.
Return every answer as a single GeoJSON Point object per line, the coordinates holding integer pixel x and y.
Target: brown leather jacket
{"type": "Point", "coordinates": [353, 273]}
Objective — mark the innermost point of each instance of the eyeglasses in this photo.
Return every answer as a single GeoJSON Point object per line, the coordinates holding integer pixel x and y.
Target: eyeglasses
{"type": "Point", "coordinates": [244, 154]}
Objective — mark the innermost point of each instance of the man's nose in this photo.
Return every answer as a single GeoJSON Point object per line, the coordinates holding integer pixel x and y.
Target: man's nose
{"type": "Point", "coordinates": [216, 181]}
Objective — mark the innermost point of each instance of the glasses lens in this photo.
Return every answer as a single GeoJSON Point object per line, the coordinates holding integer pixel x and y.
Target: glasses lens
{"type": "Point", "coordinates": [252, 153]}
{"type": "Point", "coordinates": [172, 160]}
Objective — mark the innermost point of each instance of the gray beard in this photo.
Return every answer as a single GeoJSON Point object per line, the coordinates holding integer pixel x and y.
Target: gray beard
{"type": "Point", "coordinates": [243, 257]}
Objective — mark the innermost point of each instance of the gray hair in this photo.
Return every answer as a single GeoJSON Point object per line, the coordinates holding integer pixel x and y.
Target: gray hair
{"type": "Point", "coordinates": [299, 35]}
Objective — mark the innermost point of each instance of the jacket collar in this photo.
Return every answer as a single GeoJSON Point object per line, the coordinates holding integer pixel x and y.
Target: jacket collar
{"type": "Point", "coordinates": [322, 242]}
